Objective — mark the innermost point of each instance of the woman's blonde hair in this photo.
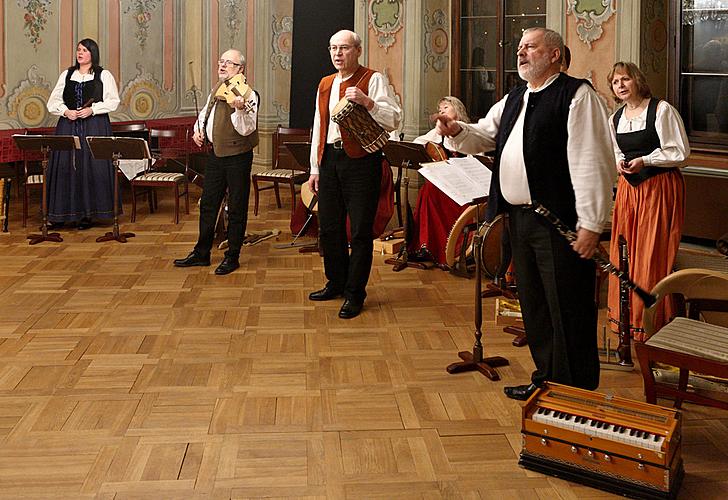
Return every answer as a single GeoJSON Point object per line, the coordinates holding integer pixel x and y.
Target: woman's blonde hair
{"type": "Point", "coordinates": [631, 70]}
{"type": "Point", "coordinates": [458, 106]}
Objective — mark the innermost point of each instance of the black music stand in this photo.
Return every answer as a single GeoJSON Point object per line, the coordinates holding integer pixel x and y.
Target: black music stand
{"type": "Point", "coordinates": [115, 148]}
{"type": "Point", "coordinates": [44, 144]}
{"type": "Point", "coordinates": [475, 360]}
{"type": "Point", "coordinates": [406, 155]}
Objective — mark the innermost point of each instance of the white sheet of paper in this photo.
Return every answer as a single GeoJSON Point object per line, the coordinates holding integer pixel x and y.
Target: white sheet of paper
{"type": "Point", "coordinates": [462, 179]}
{"type": "Point", "coordinates": [132, 168]}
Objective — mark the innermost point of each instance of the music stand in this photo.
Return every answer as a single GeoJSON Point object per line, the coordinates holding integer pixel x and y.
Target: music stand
{"type": "Point", "coordinates": [115, 148]}
{"type": "Point", "coordinates": [44, 144]}
{"type": "Point", "coordinates": [407, 155]}
{"type": "Point", "coordinates": [475, 360]}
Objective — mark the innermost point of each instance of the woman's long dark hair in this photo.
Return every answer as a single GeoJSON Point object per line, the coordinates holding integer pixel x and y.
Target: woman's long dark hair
{"type": "Point", "coordinates": [93, 48]}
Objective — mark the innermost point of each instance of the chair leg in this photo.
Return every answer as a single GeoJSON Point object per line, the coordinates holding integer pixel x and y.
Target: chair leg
{"type": "Point", "coordinates": [25, 206]}
{"type": "Point", "coordinates": [278, 194]}
{"type": "Point", "coordinates": [187, 197]}
{"type": "Point", "coordinates": [257, 196]}
{"type": "Point", "coordinates": [293, 196]}
{"type": "Point", "coordinates": [682, 387]}
{"type": "Point", "coordinates": [133, 203]}
{"type": "Point", "coordinates": [175, 217]}
{"type": "Point", "coordinates": [648, 377]}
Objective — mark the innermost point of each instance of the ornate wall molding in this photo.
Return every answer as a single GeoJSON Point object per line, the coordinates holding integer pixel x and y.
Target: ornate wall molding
{"type": "Point", "coordinates": [27, 101]}
{"type": "Point", "coordinates": [590, 15]}
{"type": "Point", "coordinates": [436, 40]}
{"type": "Point", "coordinates": [282, 42]}
{"type": "Point", "coordinates": [143, 98]}
{"type": "Point", "coordinates": [386, 18]}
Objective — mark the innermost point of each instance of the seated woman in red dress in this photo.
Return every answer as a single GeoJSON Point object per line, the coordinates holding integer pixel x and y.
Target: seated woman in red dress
{"type": "Point", "coordinates": [436, 213]}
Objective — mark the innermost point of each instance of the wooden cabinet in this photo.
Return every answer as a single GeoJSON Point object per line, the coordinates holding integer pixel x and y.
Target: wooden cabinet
{"type": "Point", "coordinates": [485, 39]}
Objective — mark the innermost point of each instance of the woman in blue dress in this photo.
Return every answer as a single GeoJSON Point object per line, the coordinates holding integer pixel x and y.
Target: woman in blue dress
{"type": "Point", "coordinates": [80, 188]}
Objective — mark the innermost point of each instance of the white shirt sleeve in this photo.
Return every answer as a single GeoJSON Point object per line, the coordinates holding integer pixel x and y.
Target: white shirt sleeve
{"type": "Point", "coordinates": [431, 136]}
{"type": "Point", "coordinates": [590, 157]}
{"type": "Point", "coordinates": [111, 95]}
{"type": "Point", "coordinates": [386, 111]}
{"type": "Point", "coordinates": [315, 138]}
{"type": "Point", "coordinates": [55, 103]}
{"type": "Point", "coordinates": [245, 122]}
{"type": "Point", "coordinates": [480, 137]}
{"type": "Point", "coordinates": [674, 146]}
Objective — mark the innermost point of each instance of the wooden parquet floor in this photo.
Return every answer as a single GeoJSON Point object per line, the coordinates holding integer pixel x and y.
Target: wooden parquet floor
{"type": "Point", "coordinates": [124, 377]}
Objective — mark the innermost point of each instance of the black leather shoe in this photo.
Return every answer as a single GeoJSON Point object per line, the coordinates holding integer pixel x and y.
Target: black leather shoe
{"type": "Point", "coordinates": [228, 265]}
{"type": "Point", "coordinates": [84, 224]}
{"type": "Point", "coordinates": [350, 309]}
{"type": "Point", "coordinates": [520, 392]}
{"type": "Point", "coordinates": [193, 259]}
{"type": "Point", "coordinates": [52, 226]}
{"type": "Point", "coordinates": [326, 293]}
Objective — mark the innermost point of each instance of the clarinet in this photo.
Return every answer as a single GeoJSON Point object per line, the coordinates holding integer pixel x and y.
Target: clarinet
{"type": "Point", "coordinates": [603, 262]}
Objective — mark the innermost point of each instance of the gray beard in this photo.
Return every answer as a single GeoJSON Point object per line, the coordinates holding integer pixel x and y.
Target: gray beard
{"type": "Point", "coordinates": [535, 69]}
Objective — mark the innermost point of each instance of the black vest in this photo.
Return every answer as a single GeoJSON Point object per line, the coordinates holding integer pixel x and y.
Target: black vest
{"type": "Point", "coordinates": [93, 90]}
{"type": "Point", "coordinates": [545, 137]}
{"type": "Point", "coordinates": [640, 143]}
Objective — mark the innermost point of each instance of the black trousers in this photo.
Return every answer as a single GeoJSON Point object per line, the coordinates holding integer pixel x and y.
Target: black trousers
{"type": "Point", "coordinates": [231, 173]}
{"type": "Point", "coordinates": [556, 292]}
{"type": "Point", "coordinates": [348, 186]}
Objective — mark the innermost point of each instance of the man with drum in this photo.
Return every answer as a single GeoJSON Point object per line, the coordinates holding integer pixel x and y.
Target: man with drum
{"type": "Point", "coordinates": [552, 145]}
{"type": "Point", "coordinates": [229, 121]}
{"type": "Point", "coordinates": [344, 176]}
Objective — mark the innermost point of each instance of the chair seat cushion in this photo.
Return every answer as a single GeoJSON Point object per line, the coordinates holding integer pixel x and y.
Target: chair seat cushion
{"type": "Point", "coordinates": [160, 177]}
{"type": "Point", "coordinates": [695, 338]}
{"type": "Point", "coordinates": [280, 174]}
{"type": "Point", "coordinates": [34, 179]}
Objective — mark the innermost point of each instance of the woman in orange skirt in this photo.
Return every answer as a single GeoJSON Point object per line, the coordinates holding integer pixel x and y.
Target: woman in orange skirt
{"type": "Point", "coordinates": [650, 144]}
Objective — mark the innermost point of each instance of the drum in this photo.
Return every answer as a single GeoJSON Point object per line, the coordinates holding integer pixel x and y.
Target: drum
{"type": "Point", "coordinates": [359, 123]}
{"type": "Point", "coordinates": [307, 196]}
{"type": "Point", "coordinates": [457, 235]}
{"type": "Point", "coordinates": [490, 251]}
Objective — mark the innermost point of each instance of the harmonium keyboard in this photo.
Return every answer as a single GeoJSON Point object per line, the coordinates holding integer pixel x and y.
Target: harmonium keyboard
{"type": "Point", "coordinates": [607, 442]}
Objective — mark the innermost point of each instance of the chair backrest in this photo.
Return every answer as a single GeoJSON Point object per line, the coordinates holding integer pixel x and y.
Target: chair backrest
{"type": "Point", "coordinates": [705, 293]}
{"type": "Point", "coordinates": [282, 157]}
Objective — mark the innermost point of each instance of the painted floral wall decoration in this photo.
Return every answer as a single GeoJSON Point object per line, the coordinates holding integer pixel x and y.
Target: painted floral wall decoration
{"type": "Point", "coordinates": [141, 11]}
{"type": "Point", "coordinates": [386, 19]}
{"type": "Point", "coordinates": [35, 19]}
{"type": "Point", "coordinates": [234, 15]}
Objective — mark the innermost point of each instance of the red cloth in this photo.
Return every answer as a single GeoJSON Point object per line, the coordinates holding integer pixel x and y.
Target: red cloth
{"type": "Point", "coordinates": [435, 216]}
{"type": "Point", "coordinates": [385, 209]}
{"type": "Point", "coordinates": [650, 217]}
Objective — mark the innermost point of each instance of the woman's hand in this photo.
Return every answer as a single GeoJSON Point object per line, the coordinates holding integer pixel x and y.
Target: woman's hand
{"type": "Point", "coordinates": [84, 112]}
{"type": "Point", "coordinates": [71, 114]}
{"type": "Point", "coordinates": [634, 166]}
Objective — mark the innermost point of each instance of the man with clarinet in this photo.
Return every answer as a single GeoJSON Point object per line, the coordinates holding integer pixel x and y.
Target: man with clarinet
{"type": "Point", "coordinates": [552, 146]}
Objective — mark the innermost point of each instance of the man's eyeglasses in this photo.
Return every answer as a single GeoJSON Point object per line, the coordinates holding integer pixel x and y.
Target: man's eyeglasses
{"type": "Point", "coordinates": [343, 48]}
{"type": "Point", "coordinates": [226, 62]}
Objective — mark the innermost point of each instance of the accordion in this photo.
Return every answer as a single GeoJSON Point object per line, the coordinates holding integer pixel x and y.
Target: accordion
{"type": "Point", "coordinates": [603, 441]}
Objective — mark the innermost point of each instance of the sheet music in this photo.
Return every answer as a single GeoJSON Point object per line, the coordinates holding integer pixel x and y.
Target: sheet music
{"type": "Point", "coordinates": [132, 168]}
{"type": "Point", "coordinates": [462, 179]}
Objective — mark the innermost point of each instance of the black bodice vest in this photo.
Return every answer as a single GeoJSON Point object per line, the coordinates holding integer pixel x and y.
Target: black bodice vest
{"type": "Point", "coordinates": [640, 143]}
{"type": "Point", "coordinates": [92, 90]}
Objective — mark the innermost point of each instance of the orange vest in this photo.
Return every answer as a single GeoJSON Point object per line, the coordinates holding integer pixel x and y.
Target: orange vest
{"type": "Point", "coordinates": [360, 78]}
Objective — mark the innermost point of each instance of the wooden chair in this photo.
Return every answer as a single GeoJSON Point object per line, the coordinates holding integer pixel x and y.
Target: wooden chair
{"type": "Point", "coordinates": [697, 343]}
{"type": "Point", "coordinates": [285, 168]}
{"type": "Point", "coordinates": [32, 175]}
{"type": "Point", "coordinates": [156, 177]}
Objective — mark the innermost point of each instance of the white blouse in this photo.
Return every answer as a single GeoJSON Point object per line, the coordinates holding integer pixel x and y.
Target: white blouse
{"type": "Point", "coordinates": [111, 93]}
{"type": "Point", "coordinates": [433, 136]}
{"type": "Point", "coordinates": [674, 146]}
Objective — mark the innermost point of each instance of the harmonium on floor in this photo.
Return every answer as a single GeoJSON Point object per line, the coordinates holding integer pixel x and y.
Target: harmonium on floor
{"type": "Point", "coordinates": [603, 441]}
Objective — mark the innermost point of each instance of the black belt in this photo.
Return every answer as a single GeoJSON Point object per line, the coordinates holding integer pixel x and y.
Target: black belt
{"type": "Point", "coordinates": [336, 145]}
